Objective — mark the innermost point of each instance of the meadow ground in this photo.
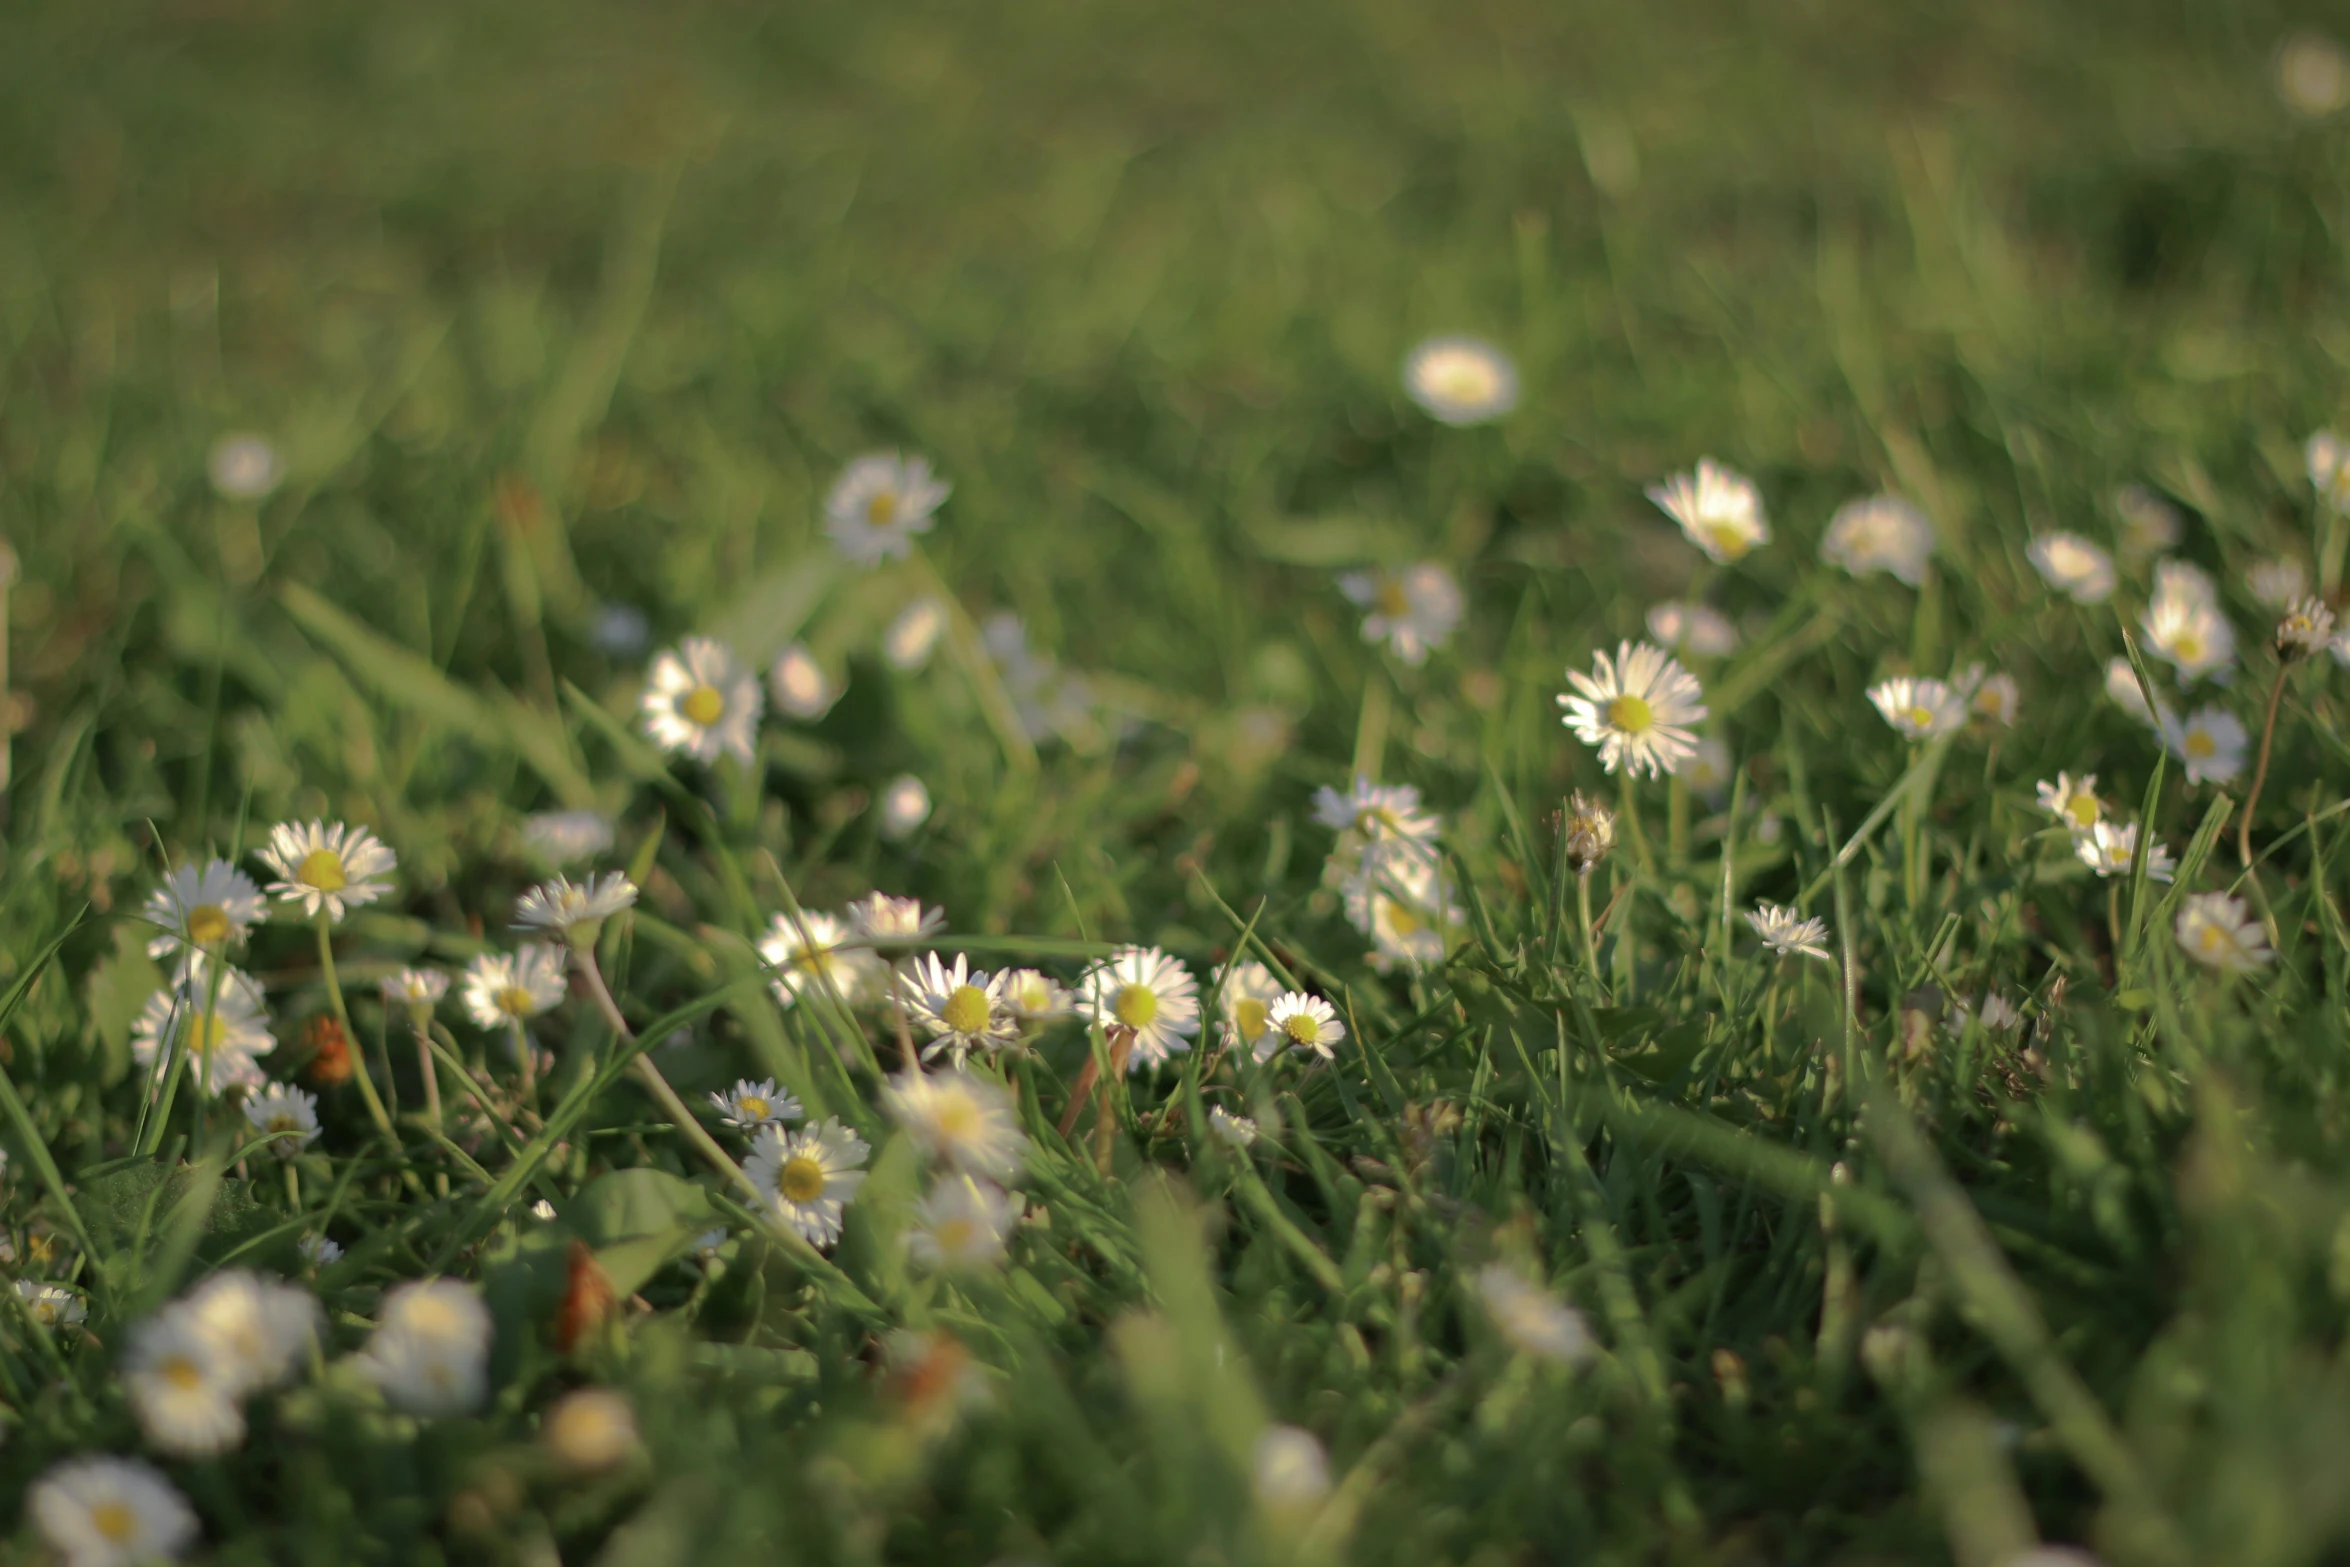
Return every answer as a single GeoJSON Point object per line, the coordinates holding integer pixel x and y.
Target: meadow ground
{"type": "Point", "coordinates": [1582, 1225]}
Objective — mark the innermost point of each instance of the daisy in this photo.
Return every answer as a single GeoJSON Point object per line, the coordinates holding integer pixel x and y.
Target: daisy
{"type": "Point", "coordinates": [1998, 1015]}
{"type": "Point", "coordinates": [2184, 627]}
{"type": "Point", "coordinates": [506, 988]}
{"type": "Point", "coordinates": [2328, 458]}
{"type": "Point", "coordinates": [2219, 932]}
{"type": "Point", "coordinates": [110, 1512]}
{"type": "Point", "coordinates": [1588, 832]}
{"type": "Point", "coordinates": [1143, 990]}
{"type": "Point", "coordinates": [1237, 1130]}
{"type": "Point", "coordinates": [286, 1115]}
{"type": "Point", "coordinates": [799, 685]}
{"type": "Point", "coordinates": [2150, 524]}
{"type": "Point", "coordinates": [1381, 816]}
{"type": "Point", "coordinates": [809, 950]}
{"type": "Point", "coordinates": [1919, 709]}
{"type": "Point", "coordinates": [567, 837]}
{"type": "Point", "coordinates": [1636, 708]}
{"type": "Point", "coordinates": [881, 920]}
{"type": "Point", "coordinates": [700, 701]}
{"type": "Point", "coordinates": [908, 642]}
{"type": "Point", "coordinates": [2312, 80]}
{"type": "Point", "coordinates": [1304, 1022]}
{"type": "Point", "coordinates": [1788, 933]}
{"type": "Point", "coordinates": [2112, 850]}
{"type": "Point", "coordinates": [1530, 1318]}
{"type": "Point", "coordinates": [1718, 507]}
{"type": "Point", "coordinates": [1245, 993]}
{"type": "Point", "coordinates": [589, 1431]}
{"type": "Point", "coordinates": [1994, 699]}
{"type": "Point", "coordinates": [1406, 910]}
{"type": "Point", "coordinates": [877, 505]}
{"type": "Point", "coordinates": [430, 1352]}
{"type": "Point", "coordinates": [245, 467]}
{"type": "Point", "coordinates": [748, 1106]}
{"type": "Point", "coordinates": [202, 912]}
{"type": "Point", "coordinates": [961, 1008]}
{"type": "Point", "coordinates": [1882, 533]}
{"type": "Point", "coordinates": [1692, 629]}
{"type": "Point", "coordinates": [1707, 772]}
{"type": "Point", "coordinates": [964, 1122]}
{"type": "Point", "coordinates": [328, 870]}
{"type": "Point", "coordinates": [53, 1308]}
{"type": "Point", "coordinates": [264, 1329]}
{"type": "Point", "coordinates": [574, 910]}
{"type": "Point", "coordinates": [181, 1389]}
{"type": "Point", "coordinates": [2306, 630]}
{"type": "Point", "coordinates": [2121, 684]}
{"type": "Point", "coordinates": [2073, 566]}
{"type": "Point", "coordinates": [418, 988]}
{"type": "Point", "coordinates": [2274, 584]}
{"type": "Point", "coordinates": [2071, 802]}
{"type": "Point", "coordinates": [810, 1176]}
{"type": "Point", "coordinates": [1413, 611]}
{"type": "Point", "coordinates": [318, 1251]}
{"type": "Point", "coordinates": [1460, 380]}
{"type": "Point", "coordinates": [963, 1225]}
{"type": "Point", "coordinates": [223, 1027]}
{"type": "Point", "coordinates": [1035, 997]}
{"type": "Point", "coordinates": [904, 805]}
{"type": "Point", "coordinates": [2210, 741]}
{"type": "Point", "coordinates": [1289, 1470]}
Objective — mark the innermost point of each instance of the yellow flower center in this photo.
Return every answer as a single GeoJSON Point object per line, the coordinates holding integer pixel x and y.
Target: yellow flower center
{"type": "Point", "coordinates": [282, 1123]}
{"type": "Point", "coordinates": [429, 1315]}
{"type": "Point", "coordinates": [1462, 380]}
{"type": "Point", "coordinates": [1402, 920]}
{"type": "Point", "coordinates": [1391, 598]}
{"type": "Point", "coordinates": [515, 1001]}
{"type": "Point", "coordinates": [1729, 539]}
{"type": "Point", "coordinates": [703, 705]}
{"type": "Point", "coordinates": [753, 1107]}
{"type": "Point", "coordinates": [1248, 1015]}
{"type": "Point", "coordinates": [956, 1235]}
{"type": "Point", "coordinates": [2200, 745]}
{"type": "Point", "coordinates": [2211, 939]}
{"type": "Point", "coordinates": [212, 1032]}
{"type": "Point", "coordinates": [115, 1521]}
{"type": "Point", "coordinates": [323, 869]}
{"type": "Point", "coordinates": [1631, 714]}
{"type": "Point", "coordinates": [183, 1373]}
{"type": "Point", "coordinates": [2189, 648]}
{"type": "Point", "coordinates": [882, 510]}
{"type": "Point", "coordinates": [208, 925]}
{"type": "Point", "coordinates": [1303, 1028]}
{"type": "Point", "coordinates": [802, 1179]}
{"type": "Point", "coordinates": [957, 1119]}
{"type": "Point", "coordinates": [1920, 717]}
{"type": "Point", "coordinates": [966, 1011]}
{"type": "Point", "coordinates": [1136, 1007]}
{"type": "Point", "coordinates": [2083, 809]}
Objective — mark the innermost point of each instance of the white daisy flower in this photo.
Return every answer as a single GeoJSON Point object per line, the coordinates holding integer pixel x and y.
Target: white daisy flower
{"type": "Point", "coordinates": [879, 503]}
{"type": "Point", "coordinates": [1998, 1015]}
{"type": "Point", "coordinates": [1637, 708]}
{"type": "Point", "coordinates": [1460, 380]}
{"type": "Point", "coordinates": [224, 1027]}
{"type": "Point", "coordinates": [286, 1115]}
{"type": "Point", "coordinates": [961, 1008]}
{"type": "Point", "coordinates": [2275, 584]}
{"type": "Point", "coordinates": [245, 466]}
{"type": "Point", "coordinates": [811, 951]}
{"type": "Point", "coordinates": [319, 1251]}
{"type": "Point", "coordinates": [503, 988]}
{"type": "Point", "coordinates": [1406, 909]}
{"type": "Point", "coordinates": [329, 869]}
{"type": "Point", "coordinates": [264, 1328]}
{"type": "Point", "coordinates": [2121, 684]}
{"type": "Point", "coordinates": [1718, 507]}
{"type": "Point", "coordinates": [911, 637]}
{"type": "Point", "coordinates": [810, 1176]}
{"type": "Point", "coordinates": [201, 912]}
{"type": "Point", "coordinates": [590, 1431]}
{"type": "Point", "coordinates": [1142, 989]}
{"type": "Point", "coordinates": [1533, 1321]}
{"type": "Point", "coordinates": [110, 1512]}
{"type": "Point", "coordinates": [430, 1352]}
{"type": "Point", "coordinates": [2312, 80]}
{"type": "Point", "coordinates": [2305, 630]}
{"type": "Point", "coordinates": [748, 1106]}
{"type": "Point", "coordinates": [1382, 817]}
{"type": "Point", "coordinates": [2220, 932]}
{"type": "Point", "coordinates": [1992, 698]}
{"type": "Point", "coordinates": [576, 910]}
{"type": "Point", "coordinates": [1919, 709]}
{"type": "Point", "coordinates": [1708, 770]}
{"type": "Point", "coordinates": [2210, 741]}
{"type": "Point", "coordinates": [2072, 802]}
{"type": "Point", "coordinates": [2073, 566]}
{"type": "Point", "coordinates": [2111, 849]}
{"type": "Point", "coordinates": [1303, 1022]}
{"type": "Point", "coordinates": [963, 1225]}
{"type": "Point", "coordinates": [799, 685]}
{"type": "Point", "coordinates": [1289, 1471]}
{"type": "Point", "coordinates": [701, 702]}
{"type": "Point", "coordinates": [2328, 458]}
{"type": "Point", "coordinates": [182, 1387]}
{"type": "Point", "coordinates": [1881, 533]}
{"type": "Point", "coordinates": [50, 1306]}
{"type": "Point", "coordinates": [881, 920]}
{"type": "Point", "coordinates": [1036, 997]}
{"type": "Point", "coordinates": [1692, 629]}
{"type": "Point", "coordinates": [903, 805]}
{"type": "Point", "coordinates": [962, 1121]}
{"type": "Point", "coordinates": [1237, 1130]}
{"type": "Point", "coordinates": [421, 988]}
{"type": "Point", "coordinates": [1245, 993]}
{"type": "Point", "coordinates": [567, 837]}
{"type": "Point", "coordinates": [1414, 611]}
{"type": "Point", "coordinates": [1788, 934]}
{"type": "Point", "coordinates": [2184, 626]}
{"type": "Point", "coordinates": [2150, 524]}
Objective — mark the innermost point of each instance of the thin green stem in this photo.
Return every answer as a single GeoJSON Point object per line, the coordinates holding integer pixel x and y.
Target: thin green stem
{"type": "Point", "coordinates": [334, 996]}
{"type": "Point", "coordinates": [649, 1077]}
{"type": "Point", "coordinates": [2268, 734]}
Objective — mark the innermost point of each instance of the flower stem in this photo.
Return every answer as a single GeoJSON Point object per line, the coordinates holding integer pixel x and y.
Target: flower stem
{"type": "Point", "coordinates": [1631, 814]}
{"type": "Point", "coordinates": [432, 1077]}
{"type": "Point", "coordinates": [649, 1077]}
{"type": "Point", "coordinates": [334, 996]}
{"type": "Point", "coordinates": [2268, 734]}
{"type": "Point", "coordinates": [1583, 917]}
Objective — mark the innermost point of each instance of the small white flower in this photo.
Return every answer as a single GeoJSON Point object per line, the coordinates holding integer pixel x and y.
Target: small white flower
{"type": "Point", "coordinates": [1290, 1471]}
{"type": "Point", "coordinates": [1245, 993]}
{"type": "Point", "coordinates": [1691, 629]}
{"type": "Point", "coordinates": [2210, 741]}
{"type": "Point", "coordinates": [1637, 709]}
{"type": "Point", "coordinates": [1998, 1015]}
{"type": "Point", "coordinates": [2121, 684]}
{"type": "Point", "coordinates": [567, 837]}
{"type": "Point", "coordinates": [1992, 698]}
{"type": "Point", "coordinates": [590, 1431]}
{"type": "Point", "coordinates": [1237, 1130]}
{"type": "Point", "coordinates": [222, 1025]}
{"type": "Point", "coordinates": [333, 869]}
{"type": "Point", "coordinates": [2073, 566]}
{"type": "Point", "coordinates": [52, 1307]}
{"type": "Point", "coordinates": [1530, 1318]}
{"type": "Point", "coordinates": [430, 1352]}
{"type": "Point", "coordinates": [810, 1176]}
{"type": "Point", "coordinates": [2150, 524]}
{"type": "Point", "coordinates": [2072, 802]}
{"type": "Point", "coordinates": [880, 920]}
{"type": "Point", "coordinates": [903, 806]}
{"type": "Point", "coordinates": [908, 642]}
{"type": "Point", "coordinates": [1718, 507]}
{"type": "Point", "coordinates": [799, 685]}
{"type": "Point", "coordinates": [1788, 933]}
{"type": "Point", "coordinates": [1414, 611]}
{"type": "Point", "coordinates": [245, 466]}
{"type": "Point", "coordinates": [2219, 932]}
{"type": "Point", "coordinates": [2312, 77]}
{"type": "Point", "coordinates": [2305, 630]}
{"type": "Point", "coordinates": [879, 503]}
{"type": "Point", "coordinates": [542, 1210]}
{"type": "Point", "coordinates": [811, 951]}
{"type": "Point", "coordinates": [264, 1328]}
{"type": "Point", "coordinates": [2111, 849]}
{"type": "Point", "coordinates": [701, 702]}
{"type": "Point", "coordinates": [2183, 623]}
{"type": "Point", "coordinates": [201, 912]}
{"type": "Point", "coordinates": [286, 1115]}
{"type": "Point", "coordinates": [421, 988]}
{"type": "Point", "coordinates": [506, 988]}
{"type": "Point", "coordinates": [961, 1008]}
{"type": "Point", "coordinates": [1406, 909]}
{"type": "Point", "coordinates": [964, 1122]}
{"type": "Point", "coordinates": [2328, 458]}
{"type": "Point", "coordinates": [1036, 997]}
{"type": "Point", "coordinates": [963, 1225]}
{"type": "Point", "coordinates": [748, 1106]}
{"type": "Point", "coordinates": [1919, 709]}
{"type": "Point", "coordinates": [182, 1388]}
{"type": "Point", "coordinates": [1881, 533]}
{"type": "Point", "coordinates": [318, 1251]}
{"type": "Point", "coordinates": [111, 1512]}
{"type": "Point", "coordinates": [1146, 991]}
{"type": "Point", "coordinates": [1460, 380]}
{"type": "Point", "coordinates": [2274, 584]}
{"type": "Point", "coordinates": [1708, 771]}
{"type": "Point", "coordinates": [1299, 1021]}
{"type": "Point", "coordinates": [565, 907]}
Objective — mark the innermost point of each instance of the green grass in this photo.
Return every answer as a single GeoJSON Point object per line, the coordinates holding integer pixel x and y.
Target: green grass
{"type": "Point", "coordinates": [552, 307]}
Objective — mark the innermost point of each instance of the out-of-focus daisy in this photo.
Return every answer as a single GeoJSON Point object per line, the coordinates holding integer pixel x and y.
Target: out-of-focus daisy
{"type": "Point", "coordinates": [2072, 801]}
{"type": "Point", "coordinates": [1918, 709]}
{"type": "Point", "coordinates": [1717, 506]}
{"type": "Point", "coordinates": [619, 630]}
{"type": "Point", "coordinates": [1237, 1130]}
{"type": "Point", "coordinates": [748, 1106]}
{"type": "Point", "coordinates": [222, 1025]}
{"type": "Point", "coordinates": [2305, 630]}
{"type": "Point", "coordinates": [880, 920]}
{"type": "Point", "coordinates": [1708, 772]}
{"type": "Point", "coordinates": [811, 951]}
{"type": "Point", "coordinates": [265, 1328]}
{"type": "Point", "coordinates": [330, 869]}
{"type": "Point", "coordinates": [2183, 623]}
{"type": "Point", "coordinates": [961, 1008]}
{"type": "Point", "coordinates": [574, 910]}
{"type": "Point", "coordinates": [318, 1250]}
{"type": "Point", "coordinates": [430, 1352]}
{"type": "Point", "coordinates": [567, 837]}
{"type": "Point", "coordinates": [2210, 741]}
{"type": "Point", "coordinates": [1691, 629]}
{"type": "Point", "coordinates": [201, 912]}
{"type": "Point", "coordinates": [1299, 1021]}
{"type": "Point", "coordinates": [799, 685]}
{"type": "Point", "coordinates": [1637, 708]}
{"type": "Point", "coordinates": [1407, 910]}
{"type": "Point", "coordinates": [1992, 698]}
{"type": "Point", "coordinates": [2219, 932]}
{"type": "Point", "coordinates": [590, 1431]}
{"type": "Point", "coordinates": [181, 1387]}
{"type": "Point", "coordinates": [1036, 997]}
{"type": "Point", "coordinates": [810, 1176]}
{"type": "Point", "coordinates": [503, 988]}
{"type": "Point", "coordinates": [2073, 566]}
{"type": "Point", "coordinates": [1460, 380]}
{"type": "Point", "coordinates": [911, 637]}
{"type": "Point", "coordinates": [962, 1225]}
{"type": "Point", "coordinates": [2111, 849]}
{"type": "Point", "coordinates": [962, 1121]}
{"type": "Point", "coordinates": [1880, 533]}
{"type": "Point", "coordinates": [286, 1115]}
{"type": "Point", "coordinates": [879, 503]}
{"type": "Point", "coordinates": [1533, 1321]}
{"type": "Point", "coordinates": [904, 804]}
{"type": "Point", "coordinates": [419, 989]}
{"type": "Point", "coordinates": [1413, 610]}
{"type": "Point", "coordinates": [2150, 524]}
{"type": "Point", "coordinates": [2312, 75]}
{"type": "Point", "coordinates": [52, 1307]}
{"type": "Point", "coordinates": [1377, 825]}
{"type": "Point", "coordinates": [2121, 684]}
{"type": "Point", "coordinates": [110, 1512]}
{"type": "Point", "coordinates": [698, 700]}
{"type": "Point", "coordinates": [1143, 990]}
{"type": "Point", "coordinates": [1289, 1471]}
{"type": "Point", "coordinates": [245, 466]}
{"type": "Point", "coordinates": [2274, 584]}
{"type": "Point", "coordinates": [1245, 993]}
{"type": "Point", "coordinates": [1788, 933]}
{"type": "Point", "coordinates": [2328, 459]}
{"type": "Point", "coordinates": [1997, 1015]}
